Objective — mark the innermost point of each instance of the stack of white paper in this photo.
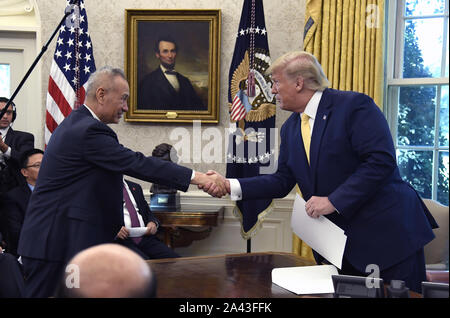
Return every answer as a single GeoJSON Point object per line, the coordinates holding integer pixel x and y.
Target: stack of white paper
{"type": "Point", "coordinates": [305, 279]}
{"type": "Point", "coordinates": [136, 231]}
{"type": "Point", "coordinates": [322, 235]}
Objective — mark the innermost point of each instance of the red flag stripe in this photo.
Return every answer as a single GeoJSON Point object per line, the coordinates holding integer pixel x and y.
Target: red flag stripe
{"type": "Point", "coordinates": [238, 115]}
{"type": "Point", "coordinates": [58, 97]}
{"type": "Point", "coordinates": [50, 122]}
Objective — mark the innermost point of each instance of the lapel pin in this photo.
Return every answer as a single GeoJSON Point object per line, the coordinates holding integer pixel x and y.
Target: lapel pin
{"type": "Point", "coordinates": [324, 117]}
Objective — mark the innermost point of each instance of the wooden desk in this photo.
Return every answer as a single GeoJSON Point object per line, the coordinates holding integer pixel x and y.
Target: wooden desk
{"type": "Point", "coordinates": [225, 276]}
{"type": "Point", "coordinates": [188, 216]}
{"type": "Point", "coordinates": [228, 276]}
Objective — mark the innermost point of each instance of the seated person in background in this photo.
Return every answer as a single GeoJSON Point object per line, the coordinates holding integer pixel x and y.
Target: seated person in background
{"type": "Point", "coordinates": [15, 201]}
{"type": "Point", "coordinates": [168, 153]}
{"type": "Point", "coordinates": [148, 245]}
{"type": "Point", "coordinates": [11, 276]}
{"type": "Point", "coordinates": [107, 271]}
{"type": "Point", "coordinates": [12, 144]}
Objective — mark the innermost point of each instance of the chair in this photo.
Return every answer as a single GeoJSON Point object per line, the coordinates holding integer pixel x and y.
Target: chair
{"type": "Point", "coordinates": [436, 252]}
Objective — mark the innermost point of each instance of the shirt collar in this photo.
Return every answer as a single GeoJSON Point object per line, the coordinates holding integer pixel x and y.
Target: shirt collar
{"type": "Point", "coordinates": [4, 131]}
{"type": "Point", "coordinates": [164, 69]}
{"type": "Point", "coordinates": [313, 105]}
{"type": "Point", "coordinates": [92, 113]}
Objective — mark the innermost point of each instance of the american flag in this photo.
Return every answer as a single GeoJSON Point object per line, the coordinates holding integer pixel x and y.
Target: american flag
{"type": "Point", "coordinates": [250, 112]}
{"type": "Point", "coordinates": [240, 106]}
{"type": "Point", "coordinates": [72, 64]}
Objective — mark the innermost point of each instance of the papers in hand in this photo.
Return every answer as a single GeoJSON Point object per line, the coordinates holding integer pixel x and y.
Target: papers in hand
{"type": "Point", "coordinates": [136, 231]}
{"type": "Point", "coordinates": [322, 235]}
{"type": "Point", "coordinates": [305, 279]}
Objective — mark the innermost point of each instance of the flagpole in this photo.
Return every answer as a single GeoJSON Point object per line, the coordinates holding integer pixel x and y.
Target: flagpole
{"type": "Point", "coordinates": [44, 48]}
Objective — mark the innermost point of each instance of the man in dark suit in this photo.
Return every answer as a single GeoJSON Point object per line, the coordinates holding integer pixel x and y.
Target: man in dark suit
{"type": "Point", "coordinates": [12, 144]}
{"type": "Point", "coordinates": [77, 201]}
{"type": "Point", "coordinates": [164, 88]}
{"type": "Point", "coordinates": [147, 245]}
{"type": "Point", "coordinates": [16, 200]}
{"type": "Point", "coordinates": [348, 173]}
{"type": "Point", "coordinates": [11, 276]}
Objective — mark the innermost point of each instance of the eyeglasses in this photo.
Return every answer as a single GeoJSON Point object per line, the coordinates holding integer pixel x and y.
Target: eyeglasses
{"type": "Point", "coordinates": [35, 165]}
{"type": "Point", "coordinates": [8, 112]}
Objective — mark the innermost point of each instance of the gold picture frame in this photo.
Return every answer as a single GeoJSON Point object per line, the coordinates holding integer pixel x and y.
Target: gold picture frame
{"type": "Point", "coordinates": [197, 37]}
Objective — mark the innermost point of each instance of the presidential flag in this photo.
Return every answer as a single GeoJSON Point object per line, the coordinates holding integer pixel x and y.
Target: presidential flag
{"type": "Point", "coordinates": [252, 112]}
{"type": "Point", "coordinates": [72, 64]}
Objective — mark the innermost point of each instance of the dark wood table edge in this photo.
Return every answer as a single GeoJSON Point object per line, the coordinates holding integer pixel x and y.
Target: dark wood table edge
{"type": "Point", "coordinates": [163, 260]}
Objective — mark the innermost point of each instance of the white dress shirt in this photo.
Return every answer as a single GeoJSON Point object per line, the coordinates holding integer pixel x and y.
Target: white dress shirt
{"type": "Point", "coordinates": [172, 78]}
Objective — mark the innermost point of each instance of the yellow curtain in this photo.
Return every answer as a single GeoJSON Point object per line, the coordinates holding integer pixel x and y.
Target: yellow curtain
{"type": "Point", "coordinates": [346, 36]}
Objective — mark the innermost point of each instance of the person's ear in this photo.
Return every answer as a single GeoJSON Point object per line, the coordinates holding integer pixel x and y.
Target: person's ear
{"type": "Point", "coordinates": [299, 82]}
{"type": "Point", "coordinates": [100, 93]}
{"type": "Point", "coordinates": [24, 172]}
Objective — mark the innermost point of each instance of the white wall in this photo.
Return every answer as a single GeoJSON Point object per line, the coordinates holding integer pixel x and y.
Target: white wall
{"type": "Point", "coordinates": [20, 38]}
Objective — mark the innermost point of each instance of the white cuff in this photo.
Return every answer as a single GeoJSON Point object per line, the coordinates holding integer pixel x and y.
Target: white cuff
{"type": "Point", "coordinates": [236, 191]}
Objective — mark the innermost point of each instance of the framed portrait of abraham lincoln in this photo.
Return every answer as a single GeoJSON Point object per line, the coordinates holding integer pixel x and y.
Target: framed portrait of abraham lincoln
{"type": "Point", "coordinates": [172, 65]}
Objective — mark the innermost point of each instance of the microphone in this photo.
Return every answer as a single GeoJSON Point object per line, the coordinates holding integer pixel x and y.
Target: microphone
{"type": "Point", "coordinates": [74, 6]}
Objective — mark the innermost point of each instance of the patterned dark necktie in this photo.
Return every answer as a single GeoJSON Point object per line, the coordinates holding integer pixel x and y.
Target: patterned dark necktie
{"type": "Point", "coordinates": [133, 214]}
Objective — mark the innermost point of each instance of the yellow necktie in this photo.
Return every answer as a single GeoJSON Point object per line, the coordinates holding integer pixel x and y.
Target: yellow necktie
{"type": "Point", "coordinates": [306, 134]}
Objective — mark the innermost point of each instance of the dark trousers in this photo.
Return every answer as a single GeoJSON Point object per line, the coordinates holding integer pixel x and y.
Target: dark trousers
{"type": "Point", "coordinates": [41, 277]}
{"type": "Point", "coordinates": [150, 247]}
{"type": "Point", "coordinates": [411, 270]}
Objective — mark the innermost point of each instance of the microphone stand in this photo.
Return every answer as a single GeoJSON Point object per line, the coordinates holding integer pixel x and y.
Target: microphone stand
{"type": "Point", "coordinates": [44, 48]}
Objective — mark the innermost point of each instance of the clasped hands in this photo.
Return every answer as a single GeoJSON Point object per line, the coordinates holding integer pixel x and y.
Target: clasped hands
{"type": "Point", "coordinates": [213, 183]}
{"type": "Point", "coordinates": [216, 185]}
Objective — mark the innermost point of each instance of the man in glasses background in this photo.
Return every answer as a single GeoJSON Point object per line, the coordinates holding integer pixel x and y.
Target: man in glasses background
{"type": "Point", "coordinates": [15, 201]}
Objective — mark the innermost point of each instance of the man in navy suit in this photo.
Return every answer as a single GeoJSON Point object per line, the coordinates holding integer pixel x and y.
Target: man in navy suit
{"type": "Point", "coordinates": [164, 88]}
{"type": "Point", "coordinates": [77, 201]}
{"type": "Point", "coordinates": [349, 174]}
{"type": "Point", "coordinates": [147, 245]}
{"type": "Point", "coordinates": [15, 201]}
{"type": "Point", "coordinates": [11, 276]}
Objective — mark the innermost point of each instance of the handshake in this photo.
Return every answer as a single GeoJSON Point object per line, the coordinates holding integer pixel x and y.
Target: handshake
{"type": "Point", "coordinates": [212, 182]}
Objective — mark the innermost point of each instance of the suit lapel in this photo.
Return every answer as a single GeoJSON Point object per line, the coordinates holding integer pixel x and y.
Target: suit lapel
{"type": "Point", "coordinates": [320, 123]}
{"type": "Point", "coordinates": [165, 84]}
{"type": "Point", "coordinates": [9, 136]}
{"type": "Point", "coordinates": [27, 194]}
